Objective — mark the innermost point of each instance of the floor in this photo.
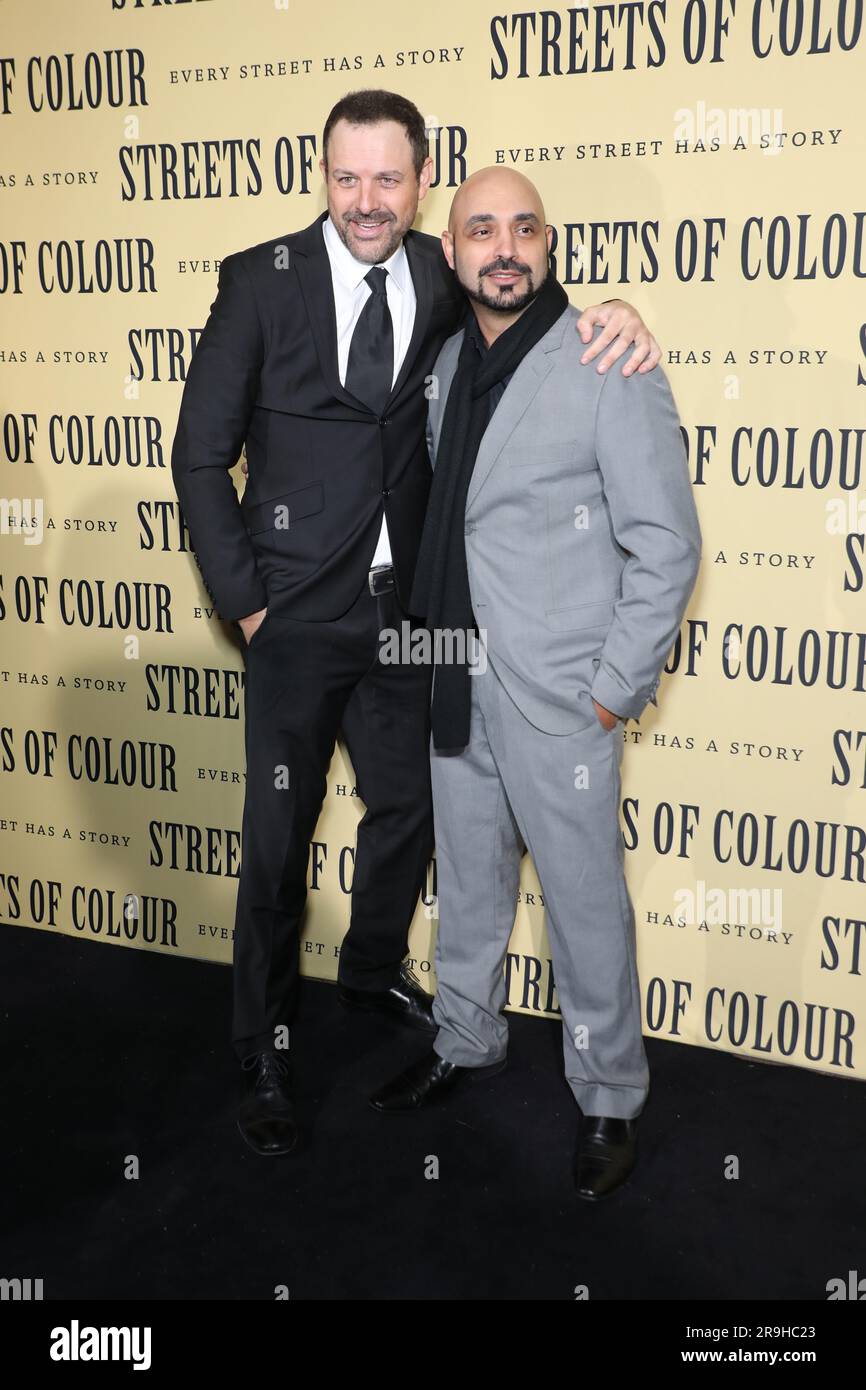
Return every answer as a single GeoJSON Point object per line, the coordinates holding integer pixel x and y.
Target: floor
{"type": "Point", "coordinates": [124, 1175]}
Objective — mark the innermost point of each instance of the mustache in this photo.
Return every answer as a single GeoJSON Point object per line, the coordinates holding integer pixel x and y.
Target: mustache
{"type": "Point", "coordinates": [500, 264]}
{"type": "Point", "coordinates": [381, 216]}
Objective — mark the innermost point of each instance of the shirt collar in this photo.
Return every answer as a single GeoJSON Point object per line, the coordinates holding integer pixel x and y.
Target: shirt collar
{"type": "Point", "coordinates": [351, 271]}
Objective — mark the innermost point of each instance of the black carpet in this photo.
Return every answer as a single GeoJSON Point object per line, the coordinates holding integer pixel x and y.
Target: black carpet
{"type": "Point", "coordinates": [110, 1053]}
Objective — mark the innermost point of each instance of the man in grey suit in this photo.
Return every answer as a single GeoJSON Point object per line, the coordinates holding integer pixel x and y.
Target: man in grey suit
{"type": "Point", "coordinates": [562, 531]}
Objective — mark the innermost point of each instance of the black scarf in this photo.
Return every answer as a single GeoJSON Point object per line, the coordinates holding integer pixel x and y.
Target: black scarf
{"type": "Point", "coordinates": [441, 589]}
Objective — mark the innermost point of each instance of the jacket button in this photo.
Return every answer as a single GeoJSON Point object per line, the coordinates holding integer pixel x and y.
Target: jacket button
{"type": "Point", "coordinates": [386, 492]}
{"type": "Point", "coordinates": [384, 420]}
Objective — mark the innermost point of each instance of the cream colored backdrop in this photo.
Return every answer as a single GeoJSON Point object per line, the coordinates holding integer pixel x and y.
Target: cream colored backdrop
{"type": "Point", "coordinates": [704, 161]}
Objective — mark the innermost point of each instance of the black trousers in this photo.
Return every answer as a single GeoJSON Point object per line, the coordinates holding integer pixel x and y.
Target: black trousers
{"type": "Point", "coordinates": [306, 681]}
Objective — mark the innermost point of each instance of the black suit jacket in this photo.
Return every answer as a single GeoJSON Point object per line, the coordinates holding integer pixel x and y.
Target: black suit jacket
{"type": "Point", "coordinates": [322, 465]}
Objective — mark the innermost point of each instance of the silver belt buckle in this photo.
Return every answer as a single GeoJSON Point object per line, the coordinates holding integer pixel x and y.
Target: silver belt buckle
{"type": "Point", "coordinates": [381, 579]}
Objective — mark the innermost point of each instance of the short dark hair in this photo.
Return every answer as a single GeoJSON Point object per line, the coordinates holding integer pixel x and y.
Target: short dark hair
{"type": "Point", "coordinates": [370, 106]}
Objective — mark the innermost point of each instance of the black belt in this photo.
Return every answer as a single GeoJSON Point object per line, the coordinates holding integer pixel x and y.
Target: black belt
{"type": "Point", "coordinates": [381, 579]}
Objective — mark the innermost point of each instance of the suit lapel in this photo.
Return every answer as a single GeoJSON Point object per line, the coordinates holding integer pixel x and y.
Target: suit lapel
{"type": "Point", "coordinates": [422, 280]}
{"type": "Point", "coordinates": [314, 277]}
{"type": "Point", "coordinates": [445, 379]}
{"type": "Point", "coordinates": [519, 395]}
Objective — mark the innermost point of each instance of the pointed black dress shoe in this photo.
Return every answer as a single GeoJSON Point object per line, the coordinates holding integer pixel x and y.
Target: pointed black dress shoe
{"type": "Point", "coordinates": [266, 1117]}
{"type": "Point", "coordinates": [406, 1001]}
{"type": "Point", "coordinates": [605, 1155]}
{"type": "Point", "coordinates": [425, 1082]}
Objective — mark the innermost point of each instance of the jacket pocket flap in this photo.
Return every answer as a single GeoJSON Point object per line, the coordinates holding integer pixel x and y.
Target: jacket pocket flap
{"type": "Point", "coordinates": [581, 615]}
{"type": "Point", "coordinates": [303, 501]}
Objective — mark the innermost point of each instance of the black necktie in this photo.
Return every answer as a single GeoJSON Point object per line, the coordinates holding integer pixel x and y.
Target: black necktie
{"type": "Point", "coordinates": [370, 367]}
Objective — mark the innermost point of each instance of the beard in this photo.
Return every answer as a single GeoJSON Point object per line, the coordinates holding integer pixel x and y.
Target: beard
{"type": "Point", "coordinates": [504, 300]}
{"type": "Point", "coordinates": [371, 252]}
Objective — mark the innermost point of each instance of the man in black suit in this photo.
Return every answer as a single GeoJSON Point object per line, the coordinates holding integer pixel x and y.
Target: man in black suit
{"type": "Point", "coordinates": [317, 354]}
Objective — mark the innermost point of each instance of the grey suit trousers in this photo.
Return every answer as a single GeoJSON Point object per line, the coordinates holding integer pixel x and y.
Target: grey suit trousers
{"type": "Point", "coordinates": [558, 796]}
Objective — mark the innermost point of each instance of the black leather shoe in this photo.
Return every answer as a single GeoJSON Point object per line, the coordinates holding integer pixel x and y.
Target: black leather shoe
{"type": "Point", "coordinates": [605, 1155]}
{"type": "Point", "coordinates": [424, 1082]}
{"type": "Point", "coordinates": [266, 1118]}
{"type": "Point", "coordinates": [406, 1001]}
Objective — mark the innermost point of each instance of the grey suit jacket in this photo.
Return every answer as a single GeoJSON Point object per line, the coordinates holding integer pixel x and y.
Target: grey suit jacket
{"type": "Point", "coordinates": [582, 536]}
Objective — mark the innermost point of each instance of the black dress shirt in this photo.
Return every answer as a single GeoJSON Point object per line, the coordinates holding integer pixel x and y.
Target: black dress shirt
{"type": "Point", "coordinates": [496, 391]}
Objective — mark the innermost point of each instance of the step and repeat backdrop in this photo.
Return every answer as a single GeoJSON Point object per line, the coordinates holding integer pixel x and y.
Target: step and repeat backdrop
{"type": "Point", "coordinates": [704, 160]}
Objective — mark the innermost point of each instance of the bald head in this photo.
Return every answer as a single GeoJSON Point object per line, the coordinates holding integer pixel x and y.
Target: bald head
{"type": "Point", "coordinates": [492, 189]}
{"type": "Point", "coordinates": [498, 243]}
